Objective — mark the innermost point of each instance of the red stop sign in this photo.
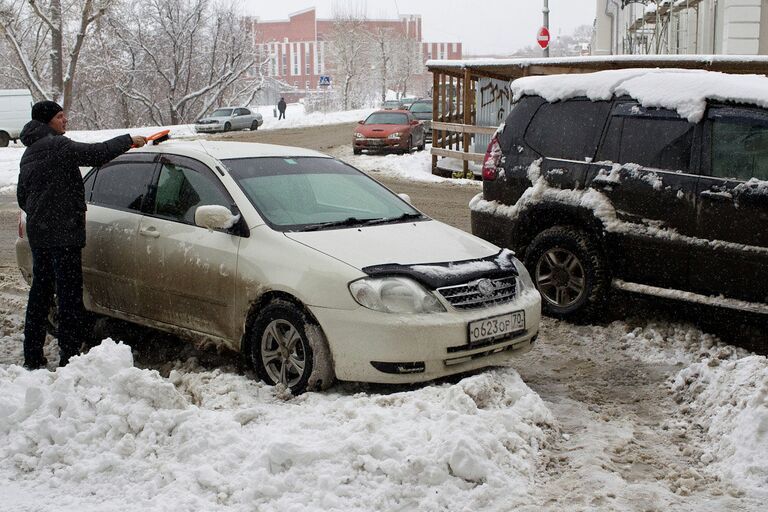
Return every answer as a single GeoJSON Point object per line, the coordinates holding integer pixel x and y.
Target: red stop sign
{"type": "Point", "coordinates": [542, 37]}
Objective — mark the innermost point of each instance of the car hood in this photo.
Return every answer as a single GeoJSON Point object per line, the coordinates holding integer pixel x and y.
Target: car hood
{"type": "Point", "coordinates": [217, 118]}
{"type": "Point", "coordinates": [381, 130]}
{"type": "Point", "coordinates": [405, 243]}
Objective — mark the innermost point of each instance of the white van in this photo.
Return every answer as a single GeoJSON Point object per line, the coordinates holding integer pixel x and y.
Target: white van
{"type": "Point", "coordinates": [15, 108]}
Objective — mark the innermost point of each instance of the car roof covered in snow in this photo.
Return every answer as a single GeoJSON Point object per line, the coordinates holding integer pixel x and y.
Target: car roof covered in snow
{"type": "Point", "coordinates": [223, 150]}
{"type": "Point", "coordinates": [684, 90]}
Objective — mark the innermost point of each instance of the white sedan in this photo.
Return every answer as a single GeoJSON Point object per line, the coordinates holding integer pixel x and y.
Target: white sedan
{"type": "Point", "coordinates": [310, 268]}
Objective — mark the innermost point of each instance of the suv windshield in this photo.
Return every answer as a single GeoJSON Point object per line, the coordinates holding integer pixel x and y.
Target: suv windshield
{"type": "Point", "coordinates": [421, 108]}
{"type": "Point", "coordinates": [312, 193]}
{"type": "Point", "coordinates": [222, 112]}
{"type": "Point", "coordinates": [386, 118]}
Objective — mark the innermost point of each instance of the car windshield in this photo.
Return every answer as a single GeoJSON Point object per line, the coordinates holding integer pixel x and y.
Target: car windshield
{"type": "Point", "coordinates": [391, 103]}
{"type": "Point", "coordinates": [387, 118]}
{"type": "Point", "coordinates": [314, 193]}
{"type": "Point", "coordinates": [421, 108]}
{"type": "Point", "coordinates": [222, 112]}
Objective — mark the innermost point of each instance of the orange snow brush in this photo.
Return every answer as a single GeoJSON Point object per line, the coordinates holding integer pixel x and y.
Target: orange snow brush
{"type": "Point", "coordinates": [157, 138]}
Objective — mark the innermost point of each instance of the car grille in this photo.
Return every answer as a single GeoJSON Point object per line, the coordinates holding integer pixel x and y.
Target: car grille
{"type": "Point", "coordinates": [470, 296]}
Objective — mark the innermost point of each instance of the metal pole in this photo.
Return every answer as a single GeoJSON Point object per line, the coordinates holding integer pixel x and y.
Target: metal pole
{"type": "Point", "coordinates": [546, 24]}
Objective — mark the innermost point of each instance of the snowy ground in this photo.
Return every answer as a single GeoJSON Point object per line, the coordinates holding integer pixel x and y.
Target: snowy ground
{"type": "Point", "coordinates": [634, 415]}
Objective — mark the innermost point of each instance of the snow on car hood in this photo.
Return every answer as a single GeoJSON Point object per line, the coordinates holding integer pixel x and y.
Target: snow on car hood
{"type": "Point", "coordinates": [405, 243]}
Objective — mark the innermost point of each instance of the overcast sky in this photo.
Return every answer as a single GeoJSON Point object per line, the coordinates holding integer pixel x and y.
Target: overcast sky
{"type": "Point", "coordinates": [484, 26]}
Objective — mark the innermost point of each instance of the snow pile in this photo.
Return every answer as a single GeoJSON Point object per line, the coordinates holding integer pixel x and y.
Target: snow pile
{"type": "Point", "coordinates": [728, 397]}
{"type": "Point", "coordinates": [683, 90]}
{"type": "Point", "coordinates": [102, 435]}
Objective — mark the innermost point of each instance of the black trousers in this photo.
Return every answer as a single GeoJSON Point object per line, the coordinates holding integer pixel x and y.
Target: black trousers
{"type": "Point", "coordinates": [56, 270]}
{"type": "Point", "coordinates": [282, 115]}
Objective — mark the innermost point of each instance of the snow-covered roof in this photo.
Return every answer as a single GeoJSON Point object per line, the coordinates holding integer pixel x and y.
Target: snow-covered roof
{"type": "Point", "coordinates": [701, 60]}
{"type": "Point", "coordinates": [683, 90]}
{"type": "Point", "coordinates": [225, 149]}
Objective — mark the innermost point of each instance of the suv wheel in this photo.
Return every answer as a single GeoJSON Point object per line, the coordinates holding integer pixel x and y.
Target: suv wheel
{"type": "Point", "coordinates": [4, 139]}
{"type": "Point", "coordinates": [287, 348]}
{"type": "Point", "coordinates": [569, 272]}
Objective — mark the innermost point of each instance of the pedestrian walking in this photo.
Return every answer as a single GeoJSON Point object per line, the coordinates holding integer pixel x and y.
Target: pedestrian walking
{"type": "Point", "coordinates": [50, 191]}
{"type": "Point", "coordinates": [281, 107]}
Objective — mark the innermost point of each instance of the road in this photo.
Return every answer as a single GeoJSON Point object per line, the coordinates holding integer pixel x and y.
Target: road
{"type": "Point", "coordinates": [614, 411]}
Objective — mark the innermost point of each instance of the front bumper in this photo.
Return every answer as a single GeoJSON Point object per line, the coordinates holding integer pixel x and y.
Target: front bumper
{"type": "Point", "coordinates": [418, 348]}
{"type": "Point", "coordinates": [209, 128]}
{"type": "Point", "coordinates": [381, 144]}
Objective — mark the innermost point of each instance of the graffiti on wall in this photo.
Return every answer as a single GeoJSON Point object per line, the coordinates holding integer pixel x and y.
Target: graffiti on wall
{"type": "Point", "coordinates": [492, 106]}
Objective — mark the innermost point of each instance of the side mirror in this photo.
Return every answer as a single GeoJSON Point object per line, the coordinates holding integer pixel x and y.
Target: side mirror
{"type": "Point", "coordinates": [414, 122]}
{"type": "Point", "coordinates": [405, 197]}
{"type": "Point", "coordinates": [214, 216]}
{"type": "Point", "coordinates": [361, 122]}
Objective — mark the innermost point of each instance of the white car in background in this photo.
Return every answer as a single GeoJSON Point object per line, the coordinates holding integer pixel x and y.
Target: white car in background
{"type": "Point", "coordinates": [229, 118]}
{"type": "Point", "coordinates": [310, 268]}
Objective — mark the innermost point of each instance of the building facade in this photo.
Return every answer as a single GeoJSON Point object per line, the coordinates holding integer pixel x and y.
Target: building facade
{"type": "Point", "coordinates": [298, 48]}
{"type": "Point", "coordinates": [728, 27]}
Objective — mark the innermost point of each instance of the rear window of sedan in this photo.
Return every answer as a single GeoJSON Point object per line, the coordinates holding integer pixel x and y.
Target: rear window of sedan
{"type": "Point", "coordinates": [222, 112]}
{"type": "Point", "coordinates": [421, 107]}
{"type": "Point", "coordinates": [387, 118]}
{"type": "Point", "coordinates": [294, 194]}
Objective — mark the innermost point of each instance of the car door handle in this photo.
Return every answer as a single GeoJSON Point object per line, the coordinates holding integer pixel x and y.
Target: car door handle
{"type": "Point", "coordinates": [151, 232]}
{"type": "Point", "coordinates": [716, 196]}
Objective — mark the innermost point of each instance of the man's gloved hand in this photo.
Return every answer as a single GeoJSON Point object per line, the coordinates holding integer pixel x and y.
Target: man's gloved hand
{"type": "Point", "coordinates": [138, 141]}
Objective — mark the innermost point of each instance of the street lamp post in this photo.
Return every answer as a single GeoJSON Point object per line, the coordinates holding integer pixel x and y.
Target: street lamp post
{"type": "Point", "coordinates": [546, 23]}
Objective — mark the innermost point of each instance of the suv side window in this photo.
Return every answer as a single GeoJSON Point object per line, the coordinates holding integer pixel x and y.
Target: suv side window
{"type": "Point", "coordinates": [122, 185]}
{"type": "Point", "coordinates": [183, 185]}
{"type": "Point", "coordinates": [739, 144]}
{"type": "Point", "coordinates": [656, 138]}
{"type": "Point", "coordinates": [567, 129]}
{"type": "Point", "coordinates": [242, 112]}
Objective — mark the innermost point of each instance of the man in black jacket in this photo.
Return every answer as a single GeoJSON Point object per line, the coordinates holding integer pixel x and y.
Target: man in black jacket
{"type": "Point", "coordinates": [50, 191]}
{"type": "Point", "coordinates": [281, 107]}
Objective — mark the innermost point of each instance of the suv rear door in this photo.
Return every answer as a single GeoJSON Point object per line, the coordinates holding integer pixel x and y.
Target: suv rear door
{"type": "Point", "coordinates": [653, 192]}
{"type": "Point", "coordinates": [732, 209]}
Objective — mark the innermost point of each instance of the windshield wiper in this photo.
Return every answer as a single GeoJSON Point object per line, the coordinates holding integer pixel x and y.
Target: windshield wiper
{"type": "Point", "coordinates": [349, 221]}
{"type": "Point", "coordinates": [402, 218]}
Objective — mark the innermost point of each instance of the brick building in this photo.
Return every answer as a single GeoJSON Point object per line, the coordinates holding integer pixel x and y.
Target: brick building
{"type": "Point", "coordinates": [299, 46]}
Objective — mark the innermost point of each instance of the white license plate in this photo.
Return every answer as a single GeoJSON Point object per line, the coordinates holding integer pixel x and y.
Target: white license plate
{"type": "Point", "coordinates": [501, 326]}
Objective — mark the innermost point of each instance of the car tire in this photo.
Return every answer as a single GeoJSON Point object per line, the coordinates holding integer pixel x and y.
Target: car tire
{"type": "Point", "coordinates": [421, 146]}
{"type": "Point", "coordinates": [357, 151]}
{"type": "Point", "coordinates": [254, 126]}
{"type": "Point", "coordinates": [4, 140]}
{"type": "Point", "coordinates": [569, 271]}
{"type": "Point", "coordinates": [410, 145]}
{"type": "Point", "coordinates": [227, 126]}
{"type": "Point", "coordinates": [287, 348]}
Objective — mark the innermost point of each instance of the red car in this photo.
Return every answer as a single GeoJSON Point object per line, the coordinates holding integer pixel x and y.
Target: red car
{"type": "Point", "coordinates": [389, 130]}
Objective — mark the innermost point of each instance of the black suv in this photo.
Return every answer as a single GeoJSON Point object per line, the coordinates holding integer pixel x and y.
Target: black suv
{"type": "Point", "coordinates": [595, 195]}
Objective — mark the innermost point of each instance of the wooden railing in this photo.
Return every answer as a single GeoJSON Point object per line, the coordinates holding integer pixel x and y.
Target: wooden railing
{"type": "Point", "coordinates": [439, 139]}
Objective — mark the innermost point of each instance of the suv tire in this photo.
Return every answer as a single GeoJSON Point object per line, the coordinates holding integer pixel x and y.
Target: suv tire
{"type": "Point", "coordinates": [568, 268]}
{"type": "Point", "coordinates": [287, 348]}
{"type": "Point", "coordinates": [254, 126]}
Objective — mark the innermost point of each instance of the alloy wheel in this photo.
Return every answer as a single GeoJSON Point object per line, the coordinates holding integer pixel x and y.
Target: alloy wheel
{"type": "Point", "coordinates": [560, 277]}
{"type": "Point", "coordinates": [283, 352]}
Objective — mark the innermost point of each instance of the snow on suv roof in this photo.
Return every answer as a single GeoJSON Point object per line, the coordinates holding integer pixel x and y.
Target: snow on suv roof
{"type": "Point", "coordinates": [683, 90]}
{"type": "Point", "coordinates": [223, 150]}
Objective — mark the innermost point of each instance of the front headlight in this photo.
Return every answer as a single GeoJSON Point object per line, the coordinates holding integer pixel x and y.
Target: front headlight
{"type": "Point", "coordinates": [523, 277]}
{"type": "Point", "coordinates": [359, 135]}
{"type": "Point", "coordinates": [394, 295]}
{"type": "Point", "coordinates": [395, 135]}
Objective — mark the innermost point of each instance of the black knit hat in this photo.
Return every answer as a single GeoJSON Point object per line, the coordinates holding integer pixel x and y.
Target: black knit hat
{"type": "Point", "coordinates": [44, 111]}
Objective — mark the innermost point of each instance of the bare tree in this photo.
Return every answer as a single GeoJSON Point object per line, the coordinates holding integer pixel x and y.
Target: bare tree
{"type": "Point", "coordinates": [407, 62]}
{"type": "Point", "coordinates": [34, 31]}
{"type": "Point", "coordinates": [349, 49]}
{"type": "Point", "coordinates": [180, 57]}
{"type": "Point", "coordinates": [384, 41]}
